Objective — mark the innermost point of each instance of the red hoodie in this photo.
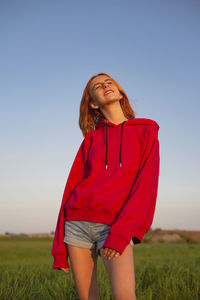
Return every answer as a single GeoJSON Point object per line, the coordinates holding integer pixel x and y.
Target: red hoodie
{"type": "Point", "coordinates": [114, 181]}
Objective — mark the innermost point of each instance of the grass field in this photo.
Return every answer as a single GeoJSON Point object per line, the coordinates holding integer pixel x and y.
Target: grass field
{"type": "Point", "coordinates": [163, 271]}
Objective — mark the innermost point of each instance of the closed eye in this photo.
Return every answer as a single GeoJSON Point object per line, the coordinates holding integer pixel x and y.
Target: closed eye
{"type": "Point", "coordinates": [97, 86]}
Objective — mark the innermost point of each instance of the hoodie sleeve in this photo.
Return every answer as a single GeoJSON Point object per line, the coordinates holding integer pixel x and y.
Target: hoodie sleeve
{"type": "Point", "coordinates": [76, 175]}
{"type": "Point", "coordinates": [136, 215]}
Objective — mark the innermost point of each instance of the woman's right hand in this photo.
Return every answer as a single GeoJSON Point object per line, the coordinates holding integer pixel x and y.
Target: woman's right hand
{"type": "Point", "coordinates": [66, 270]}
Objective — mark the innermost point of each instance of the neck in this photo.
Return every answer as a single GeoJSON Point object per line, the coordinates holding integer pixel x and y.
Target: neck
{"type": "Point", "coordinates": [114, 113]}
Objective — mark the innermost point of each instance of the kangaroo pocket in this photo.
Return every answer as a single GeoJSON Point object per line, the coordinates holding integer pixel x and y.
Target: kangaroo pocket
{"type": "Point", "coordinates": [103, 191]}
{"type": "Point", "coordinates": [98, 199]}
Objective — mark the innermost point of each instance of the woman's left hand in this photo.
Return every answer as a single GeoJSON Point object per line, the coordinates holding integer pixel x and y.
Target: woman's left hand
{"type": "Point", "coordinates": [111, 253]}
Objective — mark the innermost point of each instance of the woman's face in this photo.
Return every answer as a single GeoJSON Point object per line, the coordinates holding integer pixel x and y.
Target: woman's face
{"type": "Point", "coordinates": [103, 91]}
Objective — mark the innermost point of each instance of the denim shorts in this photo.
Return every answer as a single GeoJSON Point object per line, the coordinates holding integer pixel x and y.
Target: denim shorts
{"type": "Point", "coordinates": [86, 234]}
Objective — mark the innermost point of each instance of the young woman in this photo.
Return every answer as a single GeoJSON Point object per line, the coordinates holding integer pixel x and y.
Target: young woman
{"type": "Point", "coordinates": [110, 195]}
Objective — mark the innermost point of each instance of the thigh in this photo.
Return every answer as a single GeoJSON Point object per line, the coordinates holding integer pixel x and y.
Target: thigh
{"type": "Point", "coordinates": [83, 263]}
{"type": "Point", "coordinates": [121, 273]}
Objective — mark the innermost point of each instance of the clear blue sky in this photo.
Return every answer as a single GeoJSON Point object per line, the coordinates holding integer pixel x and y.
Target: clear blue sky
{"type": "Point", "coordinates": [49, 50]}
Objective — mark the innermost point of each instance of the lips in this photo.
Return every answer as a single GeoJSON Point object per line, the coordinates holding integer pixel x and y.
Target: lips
{"type": "Point", "coordinates": [106, 92]}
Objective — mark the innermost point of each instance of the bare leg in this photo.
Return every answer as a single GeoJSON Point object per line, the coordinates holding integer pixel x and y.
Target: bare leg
{"type": "Point", "coordinates": [121, 274]}
{"type": "Point", "coordinates": [83, 262]}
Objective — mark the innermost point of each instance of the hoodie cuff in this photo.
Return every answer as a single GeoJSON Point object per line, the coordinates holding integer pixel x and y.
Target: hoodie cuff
{"type": "Point", "coordinates": [115, 242]}
{"type": "Point", "coordinates": [118, 243]}
{"type": "Point", "coordinates": [141, 232]}
{"type": "Point", "coordinates": [60, 261]}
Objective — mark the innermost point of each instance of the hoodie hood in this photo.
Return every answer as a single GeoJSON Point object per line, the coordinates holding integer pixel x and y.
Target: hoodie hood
{"type": "Point", "coordinates": [131, 122]}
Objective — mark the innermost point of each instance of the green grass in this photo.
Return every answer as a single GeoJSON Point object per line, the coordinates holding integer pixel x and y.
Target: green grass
{"type": "Point", "coordinates": [162, 271]}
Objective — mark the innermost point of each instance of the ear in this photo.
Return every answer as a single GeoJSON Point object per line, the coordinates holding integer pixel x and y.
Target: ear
{"type": "Point", "coordinates": [121, 96]}
{"type": "Point", "coordinates": [94, 106]}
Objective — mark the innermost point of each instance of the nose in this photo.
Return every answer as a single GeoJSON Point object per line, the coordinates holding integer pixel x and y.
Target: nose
{"type": "Point", "coordinates": [105, 83]}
